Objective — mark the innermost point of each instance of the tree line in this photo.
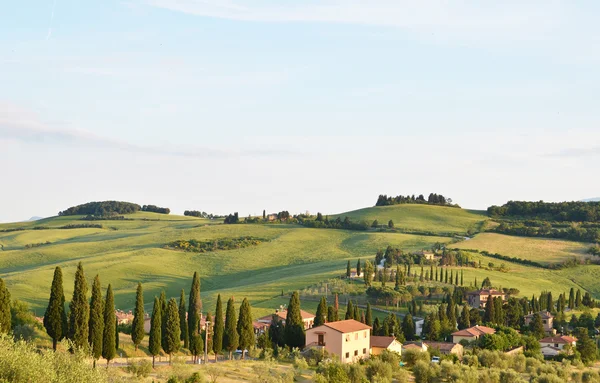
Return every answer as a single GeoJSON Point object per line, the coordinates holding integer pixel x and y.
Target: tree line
{"type": "Point", "coordinates": [201, 214]}
{"type": "Point", "coordinates": [548, 211]}
{"type": "Point", "coordinates": [546, 230]}
{"type": "Point", "coordinates": [156, 209]}
{"type": "Point", "coordinates": [102, 208]}
{"type": "Point", "coordinates": [432, 199]}
{"type": "Point", "coordinates": [216, 244]}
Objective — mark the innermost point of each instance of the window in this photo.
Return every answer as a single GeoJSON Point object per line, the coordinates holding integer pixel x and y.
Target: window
{"type": "Point", "coordinates": [347, 355]}
{"type": "Point", "coordinates": [347, 337]}
{"type": "Point", "coordinates": [556, 345]}
{"type": "Point", "coordinates": [364, 350]}
{"type": "Point", "coordinates": [355, 352]}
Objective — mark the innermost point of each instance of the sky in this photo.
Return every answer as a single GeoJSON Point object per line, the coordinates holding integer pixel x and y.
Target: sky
{"type": "Point", "coordinates": [305, 105]}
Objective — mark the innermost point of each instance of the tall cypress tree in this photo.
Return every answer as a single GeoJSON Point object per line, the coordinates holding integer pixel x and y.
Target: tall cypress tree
{"type": "Point", "coordinates": [349, 311]}
{"type": "Point", "coordinates": [79, 314]}
{"type": "Point", "coordinates": [464, 321]}
{"type": "Point", "coordinates": [336, 306]}
{"type": "Point", "coordinates": [489, 315]}
{"type": "Point", "coordinates": [155, 339]}
{"type": "Point", "coordinates": [183, 324]}
{"type": "Point", "coordinates": [5, 317]}
{"type": "Point", "coordinates": [172, 329]}
{"type": "Point", "coordinates": [137, 326]}
{"type": "Point", "coordinates": [572, 299]}
{"type": "Point", "coordinates": [294, 326]}
{"type": "Point", "coordinates": [116, 334]}
{"type": "Point", "coordinates": [245, 328]}
{"type": "Point", "coordinates": [321, 315]}
{"type": "Point", "coordinates": [55, 318]}
{"type": "Point", "coordinates": [330, 314]}
{"type": "Point", "coordinates": [208, 332]}
{"type": "Point", "coordinates": [230, 336]}
{"type": "Point", "coordinates": [218, 328]}
{"type": "Point", "coordinates": [109, 350]}
{"type": "Point", "coordinates": [369, 315]}
{"type": "Point", "coordinates": [356, 314]}
{"type": "Point", "coordinates": [456, 278]}
{"type": "Point", "coordinates": [461, 278]}
{"type": "Point", "coordinates": [96, 331]}
{"type": "Point", "coordinates": [348, 269]}
{"type": "Point", "coordinates": [578, 298]}
{"type": "Point", "coordinates": [163, 311]}
{"type": "Point", "coordinates": [194, 316]}
{"type": "Point", "coordinates": [408, 327]}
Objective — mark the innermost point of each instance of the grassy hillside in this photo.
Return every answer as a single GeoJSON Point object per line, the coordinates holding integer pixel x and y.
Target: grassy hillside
{"type": "Point", "coordinates": [426, 218]}
{"type": "Point", "coordinates": [125, 252]}
{"type": "Point", "coordinates": [541, 250]}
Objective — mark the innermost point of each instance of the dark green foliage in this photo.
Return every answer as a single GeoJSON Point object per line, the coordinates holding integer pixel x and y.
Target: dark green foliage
{"type": "Point", "coordinates": [230, 336]}
{"type": "Point", "coordinates": [486, 284]}
{"type": "Point", "coordinates": [337, 223]}
{"type": "Point", "coordinates": [555, 211]}
{"type": "Point", "coordinates": [536, 327]}
{"type": "Point", "coordinates": [245, 328]}
{"type": "Point", "coordinates": [5, 320]}
{"type": "Point", "coordinates": [183, 324]}
{"type": "Point", "coordinates": [96, 331]}
{"type": "Point", "coordinates": [552, 230]}
{"type": "Point", "coordinates": [408, 327]}
{"type": "Point", "coordinates": [490, 314]}
{"type": "Point", "coordinates": [79, 314]}
{"type": "Point", "coordinates": [154, 341]}
{"type": "Point", "coordinates": [586, 346]}
{"type": "Point", "coordinates": [356, 314]}
{"type": "Point", "coordinates": [163, 311]}
{"type": "Point", "coordinates": [349, 311]}
{"type": "Point", "coordinates": [172, 329]}
{"type": "Point", "coordinates": [321, 315]}
{"type": "Point", "coordinates": [433, 199]}
{"type": "Point", "coordinates": [330, 314]}
{"type": "Point", "coordinates": [294, 326]}
{"type": "Point", "coordinates": [391, 224]}
{"type": "Point", "coordinates": [102, 208]}
{"type": "Point", "coordinates": [109, 349]}
{"type": "Point", "coordinates": [215, 244]}
{"type": "Point", "coordinates": [116, 334]}
{"type": "Point", "coordinates": [276, 332]}
{"type": "Point", "coordinates": [464, 321]}
{"type": "Point", "coordinates": [358, 268]}
{"type": "Point", "coordinates": [210, 328]}
{"type": "Point", "coordinates": [578, 302]}
{"type": "Point", "coordinates": [137, 326]}
{"type": "Point", "coordinates": [156, 209]}
{"type": "Point", "coordinates": [369, 315]}
{"type": "Point", "coordinates": [218, 327]}
{"type": "Point", "coordinates": [55, 318]}
{"type": "Point", "coordinates": [348, 270]}
{"type": "Point", "coordinates": [194, 315]}
{"type": "Point", "coordinates": [232, 218]}
{"type": "Point", "coordinates": [572, 299]}
{"type": "Point", "coordinates": [376, 327]}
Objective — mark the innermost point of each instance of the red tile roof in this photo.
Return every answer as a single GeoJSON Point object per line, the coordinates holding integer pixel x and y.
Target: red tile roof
{"type": "Point", "coordinates": [346, 326]}
{"type": "Point", "coordinates": [282, 314]}
{"type": "Point", "coordinates": [474, 331]}
{"type": "Point", "coordinates": [486, 292]}
{"type": "Point", "coordinates": [564, 339]}
{"type": "Point", "coordinates": [442, 346]}
{"type": "Point", "coordinates": [543, 314]}
{"type": "Point", "coordinates": [382, 341]}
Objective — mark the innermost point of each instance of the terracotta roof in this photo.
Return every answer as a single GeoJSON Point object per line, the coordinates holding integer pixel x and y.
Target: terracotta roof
{"type": "Point", "coordinates": [442, 346]}
{"type": "Point", "coordinates": [559, 339]}
{"type": "Point", "coordinates": [486, 292]}
{"type": "Point", "coordinates": [474, 331]}
{"type": "Point", "coordinates": [382, 341]}
{"type": "Point", "coordinates": [282, 314]}
{"type": "Point", "coordinates": [346, 326]}
{"type": "Point", "coordinates": [543, 314]}
{"type": "Point", "coordinates": [412, 345]}
{"type": "Point", "coordinates": [260, 325]}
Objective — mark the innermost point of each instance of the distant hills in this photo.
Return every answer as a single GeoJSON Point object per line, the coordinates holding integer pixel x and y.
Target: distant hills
{"type": "Point", "coordinates": [35, 218]}
{"type": "Point", "coordinates": [597, 199]}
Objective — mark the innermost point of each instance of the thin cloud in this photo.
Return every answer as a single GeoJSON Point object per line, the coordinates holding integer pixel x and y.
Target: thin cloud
{"type": "Point", "coordinates": [23, 127]}
{"type": "Point", "coordinates": [51, 19]}
{"type": "Point", "coordinates": [576, 152]}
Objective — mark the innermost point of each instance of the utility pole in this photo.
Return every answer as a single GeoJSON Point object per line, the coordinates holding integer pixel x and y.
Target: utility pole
{"type": "Point", "coordinates": [207, 324]}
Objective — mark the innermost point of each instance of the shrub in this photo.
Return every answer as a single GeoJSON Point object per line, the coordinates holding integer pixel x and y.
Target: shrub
{"type": "Point", "coordinates": [379, 371]}
{"type": "Point", "coordinates": [300, 363]}
{"type": "Point", "coordinates": [140, 368]}
{"type": "Point", "coordinates": [411, 357]}
{"type": "Point", "coordinates": [333, 371]}
{"type": "Point", "coordinates": [195, 378]}
{"type": "Point", "coordinates": [510, 376]}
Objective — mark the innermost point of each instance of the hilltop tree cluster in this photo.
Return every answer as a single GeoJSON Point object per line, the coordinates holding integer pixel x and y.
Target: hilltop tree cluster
{"type": "Point", "coordinates": [201, 214]}
{"type": "Point", "coordinates": [432, 199]}
{"type": "Point", "coordinates": [547, 230]}
{"type": "Point", "coordinates": [549, 211]}
{"type": "Point", "coordinates": [102, 208]}
{"type": "Point", "coordinates": [156, 209]}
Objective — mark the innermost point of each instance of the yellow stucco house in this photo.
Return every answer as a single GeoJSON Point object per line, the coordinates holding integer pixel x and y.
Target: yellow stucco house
{"type": "Point", "coordinates": [380, 343]}
{"type": "Point", "coordinates": [350, 340]}
{"type": "Point", "coordinates": [472, 333]}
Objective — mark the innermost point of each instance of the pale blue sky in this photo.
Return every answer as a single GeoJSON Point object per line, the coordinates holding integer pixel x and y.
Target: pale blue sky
{"type": "Point", "coordinates": [234, 105]}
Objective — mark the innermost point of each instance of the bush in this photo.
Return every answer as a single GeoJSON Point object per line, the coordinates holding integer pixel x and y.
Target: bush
{"type": "Point", "coordinates": [333, 371]}
{"type": "Point", "coordinates": [511, 376]}
{"type": "Point", "coordinates": [411, 357]}
{"type": "Point", "coordinates": [421, 371]}
{"type": "Point", "coordinates": [140, 369]}
{"type": "Point", "coordinates": [300, 363]}
{"type": "Point", "coordinates": [195, 378]}
{"type": "Point", "coordinates": [379, 371]}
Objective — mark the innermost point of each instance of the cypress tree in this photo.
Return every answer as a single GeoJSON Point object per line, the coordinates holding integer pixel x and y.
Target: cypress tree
{"type": "Point", "coordinates": [431, 272]}
{"type": "Point", "coordinates": [578, 298]}
{"type": "Point", "coordinates": [230, 336]}
{"type": "Point", "coordinates": [116, 334]}
{"type": "Point", "coordinates": [498, 311]}
{"type": "Point", "coordinates": [55, 318]}
{"type": "Point", "coordinates": [183, 323]}
{"type": "Point", "coordinates": [294, 326]}
{"type": "Point", "coordinates": [96, 331]}
{"type": "Point", "coordinates": [489, 316]}
{"type": "Point", "coordinates": [349, 311]}
{"type": "Point", "coordinates": [348, 270]}
{"type": "Point", "coordinates": [451, 276]}
{"type": "Point", "coordinates": [356, 315]}
{"type": "Point", "coordinates": [408, 327]}
{"type": "Point", "coordinates": [376, 327]}
{"type": "Point", "coordinates": [5, 318]}
{"type": "Point", "coordinates": [173, 331]}
{"type": "Point", "coordinates": [163, 312]}
{"type": "Point", "coordinates": [461, 278]}
{"type": "Point", "coordinates": [245, 328]}
{"type": "Point", "coordinates": [456, 278]}
{"type": "Point", "coordinates": [218, 328]}
{"type": "Point", "coordinates": [465, 318]}
{"type": "Point", "coordinates": [79, 314]}
{"type": "Point", "coordinates": [207, 331]}
{"type": "Point", "coordinates": [320, 316]}
{"type": "Point", "coordinates": [369, 315]}
{"type": "Point", "coordinates": [436, 274]}
{"type": "Point", "coordinates": [446, 277]}
{"type": "Point", "coordinates": [194, 316]}
{"type": "Point", "coordinates": [549, 302]}
{"type": "Point", "coordinates": [536, 326]}
{"type": "Point", "coordinates": [397, 279]}
{"type": "Point", "coordinates": [137, 326]}
{"type": "Point", "coordinates": [358, 268]}
{"type": "Point", "coordinates": [572, 299]}
{"type": "Point", "coordinates": [330, 314]}
{"type": "Point", "coordinates": [155, 339]}
{"type": "Point", "coordinates": [108, 344]}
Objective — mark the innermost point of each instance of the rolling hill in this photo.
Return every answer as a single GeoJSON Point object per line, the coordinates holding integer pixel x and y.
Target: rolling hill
{"type": "Point", "coordinates": [425, 218]}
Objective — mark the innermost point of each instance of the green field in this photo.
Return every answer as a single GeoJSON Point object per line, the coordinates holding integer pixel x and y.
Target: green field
{"type": "Point", "coordinates": [541, 250]}
{"type": "Point", "coordinates": [125, 252]}
{"type": "Point", "coordinates": [425, 218]}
